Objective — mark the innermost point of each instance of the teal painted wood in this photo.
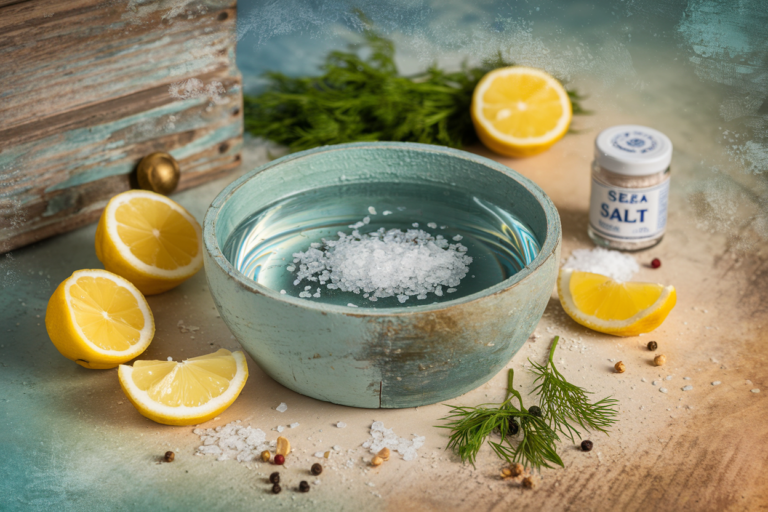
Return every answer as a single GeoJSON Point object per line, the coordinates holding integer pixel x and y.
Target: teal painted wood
{"type": "Point", "coordinates": [389, 358]}
{"type": "Point", "coordinates": [87, 90]}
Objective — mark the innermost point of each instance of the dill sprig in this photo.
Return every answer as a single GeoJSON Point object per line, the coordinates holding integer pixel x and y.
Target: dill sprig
{"type": "Point", "coordinates": [366, 99]}
{"type": "Point", "coordinates": [565, 405]}
{"type": "Point", "coordinates": [471, 426]}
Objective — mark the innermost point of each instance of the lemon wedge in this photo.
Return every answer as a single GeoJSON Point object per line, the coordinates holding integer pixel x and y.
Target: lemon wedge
{"type": "Point", "coordinates": [150, 240]}
{"type": "Point", "coordinates": [519, 111]}
{"type": "Point", "coordinates": [187, 392]}
{"type": "Point", "coordinates": [99, 319]}
{"type": "Point", "coordinates": [605, 305]}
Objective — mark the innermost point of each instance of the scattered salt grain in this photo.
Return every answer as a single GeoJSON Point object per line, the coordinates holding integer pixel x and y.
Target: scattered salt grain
{"type": "Point", "coordinates": [341, 424]}
{"type": "Point", "coordinates": [457, 238]}
{"type": "Point", "coordinates": [755, 390]}
{"type": "Point", "coordinates": [663, 390]}
{"type": "Point", "coordinates": [686, 378]}
{"type": "Point", "coordinates": [687, 388]}
{"type": "Point", "coordinates": [282, 292]}
{"type": "Point", "coordinates": [319, 455]}
{"type": "Point", "coordinates": [387, 212]}
{"type": "Point", "coordinates": [233, 442]}
{"type": "Point", "coordinates": [170, 358]}
{"type": "Point", "coordinates": [656, 382]}
{"type": "Point", "coordinates": [669, 377]}
{"type": "Point", "coordinates": [372, 210]}
{"type": "Point", "coordinates": [350, 305]}
{"type": "Point", "coordinates": [619, 266]}
{"type": "Point", "coordinates": [432, 225]}
{"type": "Point", "coordinates": [280, 428]}
{"type": "Point", "coordinates": [282, 407]}
{"type": "Point", "coordinates": [415, 224]}
{"type": "Point", "coordinates": [716, 383]}
{"type": "Point", "coordinates": [293, 425]}
{"type": "Point", "coordinates": [382, 437]}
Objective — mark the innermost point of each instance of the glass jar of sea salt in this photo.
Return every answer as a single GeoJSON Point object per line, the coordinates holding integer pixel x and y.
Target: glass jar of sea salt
{"type": "Point", "coordinates": [630, 188]}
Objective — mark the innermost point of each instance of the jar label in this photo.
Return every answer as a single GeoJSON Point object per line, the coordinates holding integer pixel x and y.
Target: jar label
{"type": "Point", "coordinates": [628, 213]}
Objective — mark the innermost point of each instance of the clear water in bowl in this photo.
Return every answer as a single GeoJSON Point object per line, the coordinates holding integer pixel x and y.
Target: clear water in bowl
{"type": "Point", "coordinates": [262, 246]}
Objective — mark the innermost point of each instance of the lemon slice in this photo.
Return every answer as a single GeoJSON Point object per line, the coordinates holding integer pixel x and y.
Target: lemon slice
{"type": "Point", "coordinates": [99, 319]}
{"type": "Point", "coordinates": [187, 392]}
{"type": "Point", "coordinates": [150, 240]}
{"type": "Point", "coordinates": [519, 111]}
{"type": "Point", "coordinates": [605, 305]}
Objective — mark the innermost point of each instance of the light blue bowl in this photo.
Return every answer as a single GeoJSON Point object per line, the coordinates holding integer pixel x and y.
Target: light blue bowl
{"type": "Point", "coordinates": [399, 357]}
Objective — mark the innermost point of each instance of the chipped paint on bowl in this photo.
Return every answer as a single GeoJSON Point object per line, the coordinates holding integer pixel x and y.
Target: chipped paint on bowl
{"type": "Point", "coordinates": [390, 358]}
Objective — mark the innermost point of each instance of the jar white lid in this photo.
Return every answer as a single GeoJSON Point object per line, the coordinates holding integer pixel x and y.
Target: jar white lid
{"type": "Point", "coordinates": [633, 150]}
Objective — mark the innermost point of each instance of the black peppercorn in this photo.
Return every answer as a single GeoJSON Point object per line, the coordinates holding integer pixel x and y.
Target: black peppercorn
{"type": "Point", "coordinates": [304, 486]}
{"type": "Point", "coordinates": [512, 428]}
{"type": "Point", "coordinates": [586, 445]}
{"type": "Point", "coordinates": [169, 456]}
{"type": "Point", "coordinates": [274, 478]}
{"type": "Point", "coordinates": [534, 410]}
{"type": "Point", "coordinates": [652, 345]}
{"type": "Point", "coordinates": [276, 489]}
{"type": "Point", "coordinates": [316, 469]}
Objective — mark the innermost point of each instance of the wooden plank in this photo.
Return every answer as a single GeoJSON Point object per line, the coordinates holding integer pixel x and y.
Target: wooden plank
{"type": "Point", "coordinates": [90, 86]}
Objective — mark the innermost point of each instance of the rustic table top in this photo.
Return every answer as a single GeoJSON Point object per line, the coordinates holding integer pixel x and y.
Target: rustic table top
{"type": "Point", "coordinates": [71, 440]}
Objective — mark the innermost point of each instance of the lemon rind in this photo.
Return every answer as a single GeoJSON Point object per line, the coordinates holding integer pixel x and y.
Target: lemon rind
{"type": "Point", "coordinates": [111, 227]}
{"type": "Point", "coordinates": [610, 326]}
{"type": "Point", "coordinates": [146, 333]}
{"type": "Point", "coordinates": [159, 412]}
{"type": "Point", "coordinates": [550, 136]}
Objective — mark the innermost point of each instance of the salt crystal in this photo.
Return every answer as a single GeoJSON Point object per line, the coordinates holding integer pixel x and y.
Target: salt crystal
{"type": "Point", "coordinates": [282, 407]}
{"type": "Point", "coordinates": [382, 437]}
{"type": "Point", "coordinates": [280, 428]}
{"type": "Point", "coordinates": [282, 292]}
{"type": "Point", "coordinates": [319, 455]}
{"type": "Point", "coordinates": [755, 390]}
{"type": "Point", "coordinates": [614, 264]}
{"type": "Point", "coordinates": [387, 212]}
{"type": "Point", "coordinates": [687, 388]}
{"type": "Point", "coordinates": [431, 225]}
{"type": "Point", "coordinates": [293, 425]}
{"type": "Point", "coordinates": [686, 378]}
{"type": "Point", "coordinates": [170, 358]}
{"type": "Point", "coordinates": [457, 238]}
{"type": "Point", "coordinates": [385, 264]}
{"type": "Point", "coordinates": [716, 383]}
{"type": "Point", "coordinates": [340, 424]}
{"type": "Point", "coordinates": [351, 305]}
{"type": "Point", "coordinates": [415, 224]}
{"type": "Point", "coordinates": [372, 210]}
{"type": "Point", "coordinates": [656, 382]}
{"type": "Point", "coordinates": [669, 377]}
{"type": "Point", "coordinates": [663, 390]}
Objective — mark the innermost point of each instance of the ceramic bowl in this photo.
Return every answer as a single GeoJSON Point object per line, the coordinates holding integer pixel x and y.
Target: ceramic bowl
{"type": "Point", "coordinates": [394, 357]}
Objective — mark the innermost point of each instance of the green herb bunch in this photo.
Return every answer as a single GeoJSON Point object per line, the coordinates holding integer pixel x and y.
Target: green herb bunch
{"type": "Point", "coordinates": [526, 435]}
{"type": "Point", "coordinates": [366, 99]}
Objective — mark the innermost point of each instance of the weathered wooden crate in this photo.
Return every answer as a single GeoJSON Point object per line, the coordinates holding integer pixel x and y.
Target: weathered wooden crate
{"type": "Point", "coordinates": [88, 87]}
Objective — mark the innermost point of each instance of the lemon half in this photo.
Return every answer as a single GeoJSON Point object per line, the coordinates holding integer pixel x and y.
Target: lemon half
{"type": "Point", "coordinates": [520, 111]}
{"type": "Point", "coordinates": [150, 240]}
{"type": "Point", "coordinates": [605, 305]}
{"type": "Point", "coordinates": [187, 392]}
{"type": "Point", "coordinates": [99, 319]}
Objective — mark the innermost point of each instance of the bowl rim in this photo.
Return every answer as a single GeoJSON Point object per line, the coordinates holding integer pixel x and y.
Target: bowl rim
{"type": "Point", "coordinates": [548, 248]}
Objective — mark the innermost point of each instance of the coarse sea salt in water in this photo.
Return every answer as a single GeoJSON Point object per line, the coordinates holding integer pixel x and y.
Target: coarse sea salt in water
{"type": "Point", "coordinates": [381, 245]}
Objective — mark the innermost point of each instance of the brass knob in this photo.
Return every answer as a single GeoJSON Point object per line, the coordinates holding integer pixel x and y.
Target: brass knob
{"type": "Point", "coordinates": [158, 172]}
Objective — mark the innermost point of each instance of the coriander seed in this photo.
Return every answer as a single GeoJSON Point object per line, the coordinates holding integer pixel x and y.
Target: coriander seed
{"type": "Point", "coordinates": [506, 472]}
{"type": "Point", "coordinates": [620, 367]}
{"type": "Point", "coordinates": [659, 360]}
{"type": "Point", "coordinates": [169, 456]}
{"type": "Point", "coordinates": [513, 427]}
{"type": "Point", "coordinates": [304, 486]}
{"type": "Point", "coordinates": [517, 469]}
{"type": "Point", "coordinates": [376, 461]}
{"type": "Point", "coordinates": [274, 478]}
{"type": "Point", "coordinates": [279, 459]}
{"type": "Point", "coordinates": [276, 489]}
{"type": "Point", "coordinates": [586, 445]}
{"type": "Point", "coordinates": [535, 411]}
{"type": "Point", "coordinates": [652, 346]}
{"type": "Point", "coordinates": [316, 469]}
{"type": "Point", "coordinates": [384, 454]}
{"type": "Point", "coordinates": [265, 455]}
{"type": "Point", "coordinates": [528, 482]}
